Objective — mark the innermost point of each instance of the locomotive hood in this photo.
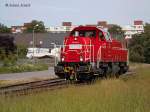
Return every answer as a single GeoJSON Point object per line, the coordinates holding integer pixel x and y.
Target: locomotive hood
{"type": "Point", "coordinates": [77, 40]}
{"type": "Point", "coordinates": [75, 49]}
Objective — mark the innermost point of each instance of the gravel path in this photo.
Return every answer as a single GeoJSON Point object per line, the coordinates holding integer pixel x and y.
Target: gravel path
{"type": "Point", "coordinates": [29, 75]}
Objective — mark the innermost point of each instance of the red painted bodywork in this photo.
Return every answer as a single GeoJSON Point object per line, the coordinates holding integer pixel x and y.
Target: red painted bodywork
{"type": "Point", "coordinates": [92, 49]}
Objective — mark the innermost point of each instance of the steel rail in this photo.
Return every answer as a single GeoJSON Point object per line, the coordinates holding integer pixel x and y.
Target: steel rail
{"type": "Point", "coordinates": [31, 86]}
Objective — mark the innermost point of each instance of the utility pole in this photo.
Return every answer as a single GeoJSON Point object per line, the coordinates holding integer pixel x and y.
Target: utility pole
{"type": "Point", "coordinates": [33, 39]}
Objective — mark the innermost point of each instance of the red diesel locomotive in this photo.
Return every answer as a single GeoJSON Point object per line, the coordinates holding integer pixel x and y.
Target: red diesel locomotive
{"type": "Point", "coordinates": [90, 51]}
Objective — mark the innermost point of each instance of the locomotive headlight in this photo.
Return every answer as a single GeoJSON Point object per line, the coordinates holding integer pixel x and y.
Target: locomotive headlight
{"type": "Point", "coordinates": [81, 58]}
{"type": "Point", "coordinates": [62, 59]}
{"type": "Point", "coordinates": [75, 38]}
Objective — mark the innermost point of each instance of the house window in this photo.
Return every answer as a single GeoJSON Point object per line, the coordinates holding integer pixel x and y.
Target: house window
{"type": "Point", "coordinates": [41, 42]}
{"type": "Point", "coordinates": [31, 42]}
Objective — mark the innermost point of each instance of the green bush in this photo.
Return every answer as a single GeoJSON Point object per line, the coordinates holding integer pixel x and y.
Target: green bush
{"type": "Point", "coordinates": [137, 53]}
{"type": "Point", "coordinates": [21, 51]}
{"type": "Point", "coordinates": [23, 68]}
{"type": "Point", "coordinates": [10, 60]}
{"type": "Point", "coordinates": [2, 54]}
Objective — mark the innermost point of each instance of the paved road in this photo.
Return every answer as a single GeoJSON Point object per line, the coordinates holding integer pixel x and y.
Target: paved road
{"type": "Point", "coordinates": [29, 75]}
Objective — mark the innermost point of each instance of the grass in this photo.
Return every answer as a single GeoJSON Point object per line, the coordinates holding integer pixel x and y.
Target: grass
{"type": "Point", "coordinates": [23, 68]}
{"type": "Point", "coordinates": [25, 65]}
{"type": "Point", "coordinates": [131, 94]}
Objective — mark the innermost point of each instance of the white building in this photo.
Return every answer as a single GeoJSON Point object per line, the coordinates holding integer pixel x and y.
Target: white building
{"type": "Point", "coordinates": [43, 52]}
{"type": "Point", "coordinates": [17, 29]}
{"type": "Point", "coordinates": [130, 30]}
{"type": "Point", "coordinates": [65, 27]}
{"type": "Point", "coordinates": [38, 52]}
{"type": "Point", "coordinates": [60, 29]}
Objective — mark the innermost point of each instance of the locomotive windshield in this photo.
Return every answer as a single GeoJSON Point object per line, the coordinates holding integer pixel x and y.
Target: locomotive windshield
{"type": "Point", "coordinates": [84, 33]}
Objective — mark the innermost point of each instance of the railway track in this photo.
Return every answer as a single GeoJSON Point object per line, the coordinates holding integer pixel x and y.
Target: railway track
{"type": "Point", "coordinates": [37, 86]}
{"type": "Point", "coordinates": [30, 87]}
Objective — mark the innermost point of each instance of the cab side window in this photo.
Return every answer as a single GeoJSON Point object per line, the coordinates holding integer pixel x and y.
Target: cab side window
{"type": "Point", "coordinates": [101, 36]}
{"type": "Point", "coordinates": [90, 33]}
{"type": "Point", "coordinates": [107, 36]}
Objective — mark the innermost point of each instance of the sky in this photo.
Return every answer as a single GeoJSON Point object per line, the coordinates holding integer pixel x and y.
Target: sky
{"type": "Point", "coordinates": [79, 12]}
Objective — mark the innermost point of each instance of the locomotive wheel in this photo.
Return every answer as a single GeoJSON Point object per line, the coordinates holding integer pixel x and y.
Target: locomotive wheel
{"type": "Point", "coordinates": [105, 74]}
{"type": "Point", "coordinates": [117, 75]}
{"type": "Point", "coordinates": [115, 70]}
{"type": "Point", "coordinates": [85, 77]}
{"type": "Point", "coordinates": [60, 75]}
{"type": "Point", "coordinates": [121, 71]}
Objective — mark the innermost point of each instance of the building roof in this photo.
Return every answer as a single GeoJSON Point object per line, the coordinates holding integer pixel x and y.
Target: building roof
{"type": "Point", "coordinates": [138, 22]}
{"type": "Point", "coordinates": [66, 23]}
{"type": "Point", "coordinates": [102, 23]}
{"type": "Point", "coordinates": [128, 27]}
{"type": "Point", "coordinates": [16, 26]}
{"type": "Point", "coordinates": [43, 40]}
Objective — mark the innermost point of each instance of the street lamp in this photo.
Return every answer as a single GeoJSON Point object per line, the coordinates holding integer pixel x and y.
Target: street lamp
{"type": "Point", "coordinates": [33, 39]}
{"type": "Point", "coordinates": [54, 45]}
{"type": "Point", "coordinates": [55, 52]}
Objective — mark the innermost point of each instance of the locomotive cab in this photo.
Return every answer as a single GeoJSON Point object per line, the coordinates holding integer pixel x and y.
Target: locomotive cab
{"type": "Point", "coordinates": [90, 51]}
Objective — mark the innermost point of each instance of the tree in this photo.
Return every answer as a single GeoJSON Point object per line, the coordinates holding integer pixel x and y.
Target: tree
{"type": "Point", "coordinates": [116, 32]}
{"type": "Point", "coordinates": [37, 26]}
{"type": "Point", "coordinates": [139, 46]}
{"type": "Point", "coordinates": [137, 53]}
{"type": "Point", "coordinates": [7, 44]}
{"type": "Point", "coordinates": [4, 29]}
{"type": "Point", "coordinates": [147, 29]}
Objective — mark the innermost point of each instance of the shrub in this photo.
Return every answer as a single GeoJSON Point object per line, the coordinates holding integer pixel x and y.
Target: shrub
{"type": "Point", "coordinates": [23, 68]}
{"type": "Point", "coordinates": [21, 51]}
{"type": "Point", "coordinates": [137, 53]}
{"type": "Point", "coordinates": [10, 60]}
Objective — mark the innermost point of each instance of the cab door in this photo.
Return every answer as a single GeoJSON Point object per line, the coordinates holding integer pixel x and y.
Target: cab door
{"type": "Point", "coordinates": [93, 46]}
{"type": "Point", "coordinates": [105, 46]}
{"type": "Point", "coordinates": [101, 43]}
{"type": "Point", "coordinates": [108, 47]}
{"type": "Point", "coordinates": [96, 43]}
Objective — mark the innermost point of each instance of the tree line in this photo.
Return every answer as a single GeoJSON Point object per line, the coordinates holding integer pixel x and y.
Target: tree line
{"type": "Point", "coordinates": [37, 26]}
{"type": "Point", "coordinates": [9, 51]}
{"type": "Point", "coordinates": [139, 46]}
